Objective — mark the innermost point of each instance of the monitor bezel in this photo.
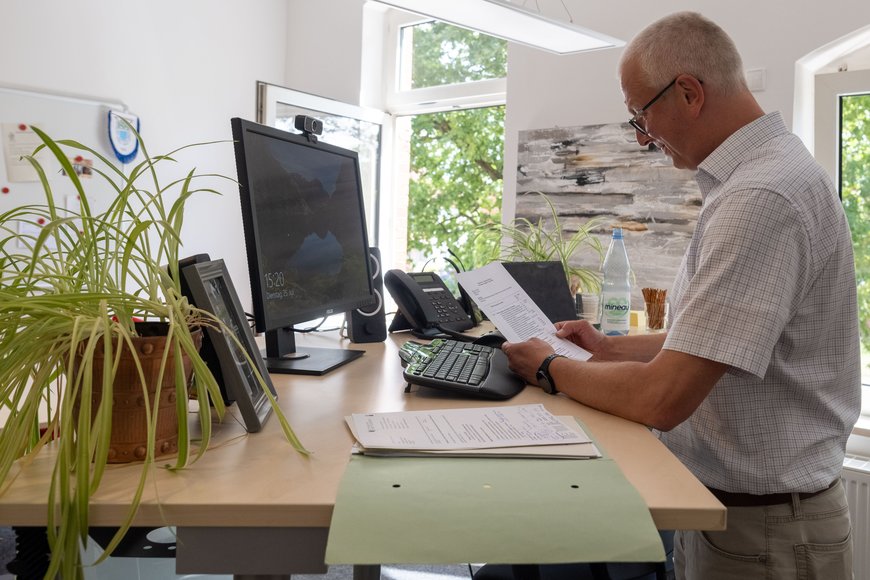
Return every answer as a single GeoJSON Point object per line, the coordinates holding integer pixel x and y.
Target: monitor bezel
{"type": "Point", "coordinates": [241, 128]}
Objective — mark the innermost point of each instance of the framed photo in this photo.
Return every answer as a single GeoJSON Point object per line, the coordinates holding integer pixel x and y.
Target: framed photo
{"type": "Point", "coordinates": [212, 290]}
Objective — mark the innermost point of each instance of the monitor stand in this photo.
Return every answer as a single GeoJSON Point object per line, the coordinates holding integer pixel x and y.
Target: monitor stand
{"type": "Point", "coordinates": [282, 355]}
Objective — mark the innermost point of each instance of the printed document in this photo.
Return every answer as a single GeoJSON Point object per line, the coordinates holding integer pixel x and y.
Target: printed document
{"type": "Point", "coordinates": [473, 428]}
{"type": "Point", "coordinates": [512, 311]}
{"type": "Point", "coordinates": [566, 451]}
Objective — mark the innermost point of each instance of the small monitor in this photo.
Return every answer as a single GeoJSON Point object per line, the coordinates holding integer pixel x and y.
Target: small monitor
{"type": "Point", "coordinates": [547, 286]}
{"type": "Point", "coordinates": [306, 239]}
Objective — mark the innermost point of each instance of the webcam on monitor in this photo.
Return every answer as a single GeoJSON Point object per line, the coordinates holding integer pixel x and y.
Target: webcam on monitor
{"type": "Point", "coordinates": [309, 126]}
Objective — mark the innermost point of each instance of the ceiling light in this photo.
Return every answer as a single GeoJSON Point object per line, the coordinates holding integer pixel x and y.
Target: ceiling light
{"type": "Point", "coordinates": [511, 22]}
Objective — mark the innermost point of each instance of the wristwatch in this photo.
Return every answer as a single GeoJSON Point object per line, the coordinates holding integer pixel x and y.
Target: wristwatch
{"type": "Point", "coordinates": [543, 375]}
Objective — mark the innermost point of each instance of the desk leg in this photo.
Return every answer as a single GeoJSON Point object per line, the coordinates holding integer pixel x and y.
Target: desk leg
{"type": "Point", "coordinates": [257, 553]}
{"type": "Point", "coordinates": [527, 572]}
{"type": "Point", "coordinates": [263, 553]}
{"type": "Point", "coordinates": [367, 572]}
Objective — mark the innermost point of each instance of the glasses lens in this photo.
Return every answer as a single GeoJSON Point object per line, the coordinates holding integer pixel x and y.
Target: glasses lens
{"type": "Point", "coordinates": [636, 126]}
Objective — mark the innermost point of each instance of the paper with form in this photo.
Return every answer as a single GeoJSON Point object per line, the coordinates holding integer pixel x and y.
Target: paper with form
{"type": "Point", "coordinates": [512, 311]}
{"type": "Point", "coordinates": [567, 451]}
{"type": "Point", "coordinates": [474, 428]}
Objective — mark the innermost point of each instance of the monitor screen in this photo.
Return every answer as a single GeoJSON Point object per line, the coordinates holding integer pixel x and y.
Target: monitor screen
{"type": "Point", "coordinates": [305, 235]}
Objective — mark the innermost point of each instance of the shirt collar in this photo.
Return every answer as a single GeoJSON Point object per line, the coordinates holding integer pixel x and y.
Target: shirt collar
{"type": "Point", "coordinates": [721, 163]}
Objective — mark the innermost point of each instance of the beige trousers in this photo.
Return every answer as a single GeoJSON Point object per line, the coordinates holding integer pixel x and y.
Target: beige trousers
{"type": "Point", "coordinates": [807, 539]}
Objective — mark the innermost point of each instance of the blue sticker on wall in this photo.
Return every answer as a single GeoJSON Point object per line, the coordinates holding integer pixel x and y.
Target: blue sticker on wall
{"type": "Point", "coordinates": [124, 142]}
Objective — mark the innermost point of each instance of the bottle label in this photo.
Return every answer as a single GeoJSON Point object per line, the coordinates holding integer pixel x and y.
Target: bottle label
{"type": "Point", "coordinates": [616, 315]}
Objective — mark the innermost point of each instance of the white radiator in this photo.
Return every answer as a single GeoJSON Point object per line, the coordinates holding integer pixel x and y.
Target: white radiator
{"type": "Point", "coordinates": [856, 478]}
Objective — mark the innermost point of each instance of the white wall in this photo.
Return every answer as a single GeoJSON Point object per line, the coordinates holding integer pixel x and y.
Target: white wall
{"type": "Point", "coordinates": [184, 67]}
{"type": "Point", "coordinates": [324, 42]}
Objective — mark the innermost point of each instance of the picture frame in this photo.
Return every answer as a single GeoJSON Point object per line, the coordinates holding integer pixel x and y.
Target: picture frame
{"type": "Point", "coordinates": [212, 290]}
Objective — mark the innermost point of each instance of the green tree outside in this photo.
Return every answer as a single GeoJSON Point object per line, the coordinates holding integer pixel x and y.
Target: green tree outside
{"type": "Point", "coordinates": [855, 190]}
{"type": "Point", "coordinates": [456, 156]}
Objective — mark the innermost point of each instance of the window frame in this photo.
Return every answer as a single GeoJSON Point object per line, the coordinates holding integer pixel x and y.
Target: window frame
{"type": "Point", "coordinates": [398, 102]}
{"type": "Point", "coordinates": [269, 96]}
{"type": "Point", "coordinates": [829, 88]}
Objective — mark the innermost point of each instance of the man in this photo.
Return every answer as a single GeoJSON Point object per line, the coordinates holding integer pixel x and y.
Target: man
{"type": "Point", "coordinates": [756, 385]}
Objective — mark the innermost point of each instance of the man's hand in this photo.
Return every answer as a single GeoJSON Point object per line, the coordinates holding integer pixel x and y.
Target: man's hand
{"type": "Point", "coordinates": [524, 358]}
{"type": "Point", "coordinates": [584, 335]}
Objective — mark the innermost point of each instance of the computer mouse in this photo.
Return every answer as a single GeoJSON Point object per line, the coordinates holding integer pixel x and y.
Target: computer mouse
{"type": "Point", "coordinates": [493, 339]}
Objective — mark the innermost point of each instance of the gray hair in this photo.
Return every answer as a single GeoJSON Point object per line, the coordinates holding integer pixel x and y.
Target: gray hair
{"type": "Point", "coordinates": [686, 43]}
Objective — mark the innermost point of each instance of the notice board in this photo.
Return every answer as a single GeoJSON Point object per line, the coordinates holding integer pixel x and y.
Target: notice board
{"type": "Point", "coordinates": [61, 116]}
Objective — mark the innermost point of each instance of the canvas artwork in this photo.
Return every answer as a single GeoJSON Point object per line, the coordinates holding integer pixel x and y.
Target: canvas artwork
{"type": "Point", "coordinates": [601, 170]}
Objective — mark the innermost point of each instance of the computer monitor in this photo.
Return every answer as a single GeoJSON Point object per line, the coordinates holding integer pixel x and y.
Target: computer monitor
{"type": "Point", "coordinates": [306, 240]}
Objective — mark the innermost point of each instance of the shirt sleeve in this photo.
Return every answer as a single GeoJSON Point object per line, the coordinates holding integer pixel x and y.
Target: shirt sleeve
{"type": "Point", "coordinates": [751, 268]}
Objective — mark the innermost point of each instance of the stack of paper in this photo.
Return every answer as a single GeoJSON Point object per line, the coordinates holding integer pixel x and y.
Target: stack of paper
{"type": "Point", "coordinates": [505, 431]}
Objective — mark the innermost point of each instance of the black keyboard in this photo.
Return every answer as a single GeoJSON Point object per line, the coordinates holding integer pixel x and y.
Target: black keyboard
{"type": "Point", "coordinates": [460, 367]}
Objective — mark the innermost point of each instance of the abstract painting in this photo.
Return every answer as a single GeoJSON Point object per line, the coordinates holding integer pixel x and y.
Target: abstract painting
{"type": "Point", "coordinates": [601, 170]}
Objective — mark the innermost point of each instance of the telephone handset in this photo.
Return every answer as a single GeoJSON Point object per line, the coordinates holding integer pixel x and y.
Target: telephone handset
{"type": "Point", "coordinates": [426, 305]}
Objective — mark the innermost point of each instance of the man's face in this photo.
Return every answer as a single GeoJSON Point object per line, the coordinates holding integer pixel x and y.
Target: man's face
{"type": "Point", "coordinates": [656, 115]}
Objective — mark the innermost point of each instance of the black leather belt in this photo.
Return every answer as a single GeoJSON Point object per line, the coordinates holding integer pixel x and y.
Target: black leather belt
{"type": "Point", "coordinates": [730, 499]}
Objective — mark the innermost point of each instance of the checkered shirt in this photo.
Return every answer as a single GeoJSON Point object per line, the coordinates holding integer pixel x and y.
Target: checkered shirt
{"type": "Point", "coordinates": [768, 287]}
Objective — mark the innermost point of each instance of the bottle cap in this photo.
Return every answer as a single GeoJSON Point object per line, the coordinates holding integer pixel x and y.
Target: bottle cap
{"type": "Point", "coordinates": [617, 233]}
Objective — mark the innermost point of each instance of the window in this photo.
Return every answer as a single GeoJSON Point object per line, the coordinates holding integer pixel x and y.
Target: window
{"type": "Point", "coordinates": [447, 98]}
{"type": "Point", "coordinates": [855, 193]}
{"type": "Point", "coordinates": [842, 146]}
{"type": "Point", "coordinates": [437, 54]}
{"type": "Point", "coordinates": [455, 185]}
{"type": "Point", "coordinates": [432, 67]}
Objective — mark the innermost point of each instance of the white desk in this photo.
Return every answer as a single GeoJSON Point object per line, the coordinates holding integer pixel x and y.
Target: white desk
{"type": "Point", "coordinates": [253, 505]}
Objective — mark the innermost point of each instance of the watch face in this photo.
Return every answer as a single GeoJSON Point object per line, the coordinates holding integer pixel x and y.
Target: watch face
{"type": "Point", "coordinates": [545, 383]}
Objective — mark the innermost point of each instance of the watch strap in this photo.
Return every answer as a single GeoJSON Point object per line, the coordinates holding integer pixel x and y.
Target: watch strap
{"type": "Point", "coordinates": [544, 373]}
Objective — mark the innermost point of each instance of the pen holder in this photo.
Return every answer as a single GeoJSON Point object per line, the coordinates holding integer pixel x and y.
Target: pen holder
{"type": "Point", "coordinates": [655, 300]}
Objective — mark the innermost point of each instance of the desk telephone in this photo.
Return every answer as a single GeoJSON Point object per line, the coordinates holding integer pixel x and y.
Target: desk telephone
{"type": "Point", "coordinates": [426, 305]}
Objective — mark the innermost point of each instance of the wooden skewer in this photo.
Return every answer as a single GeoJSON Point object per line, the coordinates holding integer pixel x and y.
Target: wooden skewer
{"type": "Point", "coordinates": [655, 307]}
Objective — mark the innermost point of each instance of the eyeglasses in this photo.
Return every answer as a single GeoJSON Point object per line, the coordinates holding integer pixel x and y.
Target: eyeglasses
{"type": "Point", "coordinates": [634, 120]}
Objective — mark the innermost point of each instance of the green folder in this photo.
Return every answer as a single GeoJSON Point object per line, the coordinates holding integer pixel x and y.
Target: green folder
{"type": "Point", "coordinates": [452, 510]}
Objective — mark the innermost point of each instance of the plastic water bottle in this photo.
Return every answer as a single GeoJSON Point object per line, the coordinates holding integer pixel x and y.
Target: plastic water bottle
{"type": "Point", "coordinates": [616, 288]}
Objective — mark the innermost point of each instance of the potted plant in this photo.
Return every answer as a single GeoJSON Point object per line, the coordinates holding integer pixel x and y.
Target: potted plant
{"type": "Point", "coordinates": [77, 286]}
{"type": "Point", "coordinates": [546, 240]}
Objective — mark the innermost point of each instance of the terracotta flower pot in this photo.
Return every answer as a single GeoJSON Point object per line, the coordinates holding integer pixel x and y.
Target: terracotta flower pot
{"type": "Point", "coordinates": [129, 425]}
